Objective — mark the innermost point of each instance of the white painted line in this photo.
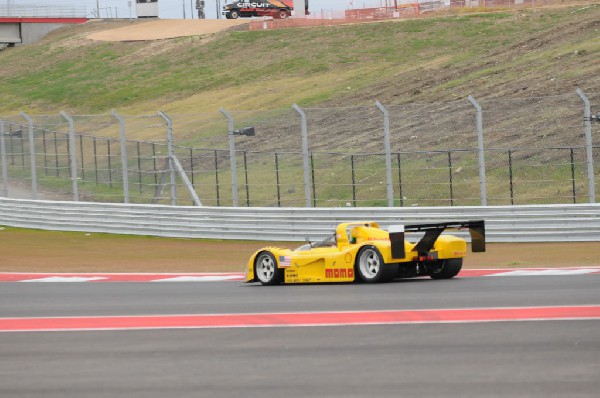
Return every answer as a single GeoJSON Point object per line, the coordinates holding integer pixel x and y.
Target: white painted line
{"type": "Point", "coordinates": [212, 278]}
{"type": "Point", "coordinates": [548, 272]}
{"type": "Point", "coordinates": [66, 279]}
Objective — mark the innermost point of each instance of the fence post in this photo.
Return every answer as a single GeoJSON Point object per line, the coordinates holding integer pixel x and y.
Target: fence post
{"type": "Point", "coordinates": [587, 114]}
{"type": "Point", "coordinates": [277, 180]}
{"type": "Point", "coordinates": [232, 158]}
{"type": "Point", "coordinates": [572, 158]}
{"type": "Point", "coordinates": [305, 154]}
{"type": "Point", "coordinates": [3, 160]}
{"type": "Point", "coordinates": [82, 160]}
{"type": "Point", "coordinates": [95, 159]}
{"type": "Point", "coordinates": [353, 180]}
{"type": "Point", "coordinates": [191, 150]}
{"type": "Point", "coordinates": [45, 152]}
{"type": "Point", "coordinates": [450, 177]}
{"type": "Point", "coordinates": [217, 177]}
{"type": "Point", "coordinates": [124, 164]}
{"type": "Point", "coordinates": [246, 176]}
{"type": "Point", "coordinates": [510, 177]}
{"type": "Point", "coordinates": [72, 154]}
{"type": "Point", "coordinates": [12, 147]}
{"type": "Point", "coordinates": [31, 156]}
{"type": "Point", "coordinates": [400, 179]}
{"type": "Point", "coordinates": [139, 165]}
{"type": "Point", "coordinates": [56, 161]}
{"type": "Point", "coordinates": [109, 159]}
{"type": "Point", "coordinates": [314, 187]}
{"type": "Point", "coordinates": [388, 152]}
{"type": "Point", "coordinates": [480, 150]}
{"type": "Point", "coordinates": [170, 156]}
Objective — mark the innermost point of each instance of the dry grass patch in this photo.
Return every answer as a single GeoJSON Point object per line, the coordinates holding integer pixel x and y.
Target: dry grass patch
{"type": "Point", "coordinates": [26, 250]}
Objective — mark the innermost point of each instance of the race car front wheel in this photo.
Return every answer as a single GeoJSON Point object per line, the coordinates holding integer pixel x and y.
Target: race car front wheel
{"type": "Point", "coordinates": [447, 269]}
{"type": "Point", "coordinates": [370, 267]}
{"type": "Point", "coordinates": [266, 269]}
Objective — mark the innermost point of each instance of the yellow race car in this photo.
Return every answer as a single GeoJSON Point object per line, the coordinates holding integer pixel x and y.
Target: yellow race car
{"type": "Point", "coordinates": [362, 251]}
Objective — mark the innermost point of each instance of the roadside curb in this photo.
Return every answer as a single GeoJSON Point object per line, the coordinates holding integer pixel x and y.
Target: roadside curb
{"type": "Point", "coordinates": [237, 276]}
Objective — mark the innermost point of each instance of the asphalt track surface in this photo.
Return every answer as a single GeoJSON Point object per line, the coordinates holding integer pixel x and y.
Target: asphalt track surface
{"type": "Point", "coordinates": [550, 358]}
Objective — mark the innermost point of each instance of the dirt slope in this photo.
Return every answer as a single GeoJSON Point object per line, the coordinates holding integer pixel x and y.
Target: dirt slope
{"type": "Point", "coordinates": [165, 29]}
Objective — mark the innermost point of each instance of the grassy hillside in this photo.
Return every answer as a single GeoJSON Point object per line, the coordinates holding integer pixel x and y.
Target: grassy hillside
{"type": "Point", "coordinates": [512, 53]}
{"type": "Point", "coordinates": [441, 58]}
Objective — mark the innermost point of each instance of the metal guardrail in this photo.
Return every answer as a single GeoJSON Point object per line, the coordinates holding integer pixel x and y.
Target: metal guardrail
{"type": "Point", "coordinates": [532, 223]}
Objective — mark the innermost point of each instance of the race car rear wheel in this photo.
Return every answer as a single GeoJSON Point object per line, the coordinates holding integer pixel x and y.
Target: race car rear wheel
{"type": "Point", "coordinates": [370, 267]}
{"type": "Point", "coordinates": [447, 269]}
{"type": "Point", "coordinates": [234, 14]}
{"type": "Point", "coordinates": [266, 269]}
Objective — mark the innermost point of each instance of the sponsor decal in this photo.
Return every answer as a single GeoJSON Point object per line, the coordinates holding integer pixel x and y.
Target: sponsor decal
{"type": "Point", "coordinates": [375, 239]}
{"type": "Point", "coordinates": [339, 273]}
{"type": "Point", "coordinates": [285, 261]}
{"type": "Point", "coordinates": [291, 274]}
{"type": "Point", "coordinates": [253, 4]}
{"type": "Point", "coordinates": [348, 258]}
{"type": "Point", "coordinates": [459, 253]}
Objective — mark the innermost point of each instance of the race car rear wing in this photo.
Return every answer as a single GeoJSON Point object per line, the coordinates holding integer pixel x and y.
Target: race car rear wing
{"type": "Point", "coordinates": [432, 232]}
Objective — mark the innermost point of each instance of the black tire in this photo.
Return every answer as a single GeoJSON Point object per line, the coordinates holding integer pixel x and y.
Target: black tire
{"type": "Point", "coordinates": [265, 269]}
{"type": "Point", "coordinates": [447, 268]}
{"type": "Point", "coordinates": [281, 15]}
{"type": "Point", "coordinates": [370, 268]}
{"type": "Point", "coordinates": [234, 14]}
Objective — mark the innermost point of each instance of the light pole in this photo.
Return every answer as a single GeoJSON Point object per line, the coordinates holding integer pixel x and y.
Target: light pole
{"type": "Point", "coordinates": [388, 152]}
{"type": "Point", "coordinates": [183, 6]}
{"type": "Point", "coordinates": [305, 152]}
{"type": "Point", "coordinates": [98, 9]}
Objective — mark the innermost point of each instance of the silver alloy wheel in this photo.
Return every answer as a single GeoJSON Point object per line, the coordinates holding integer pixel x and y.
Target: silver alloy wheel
{"type": "Point", "coordinates": [369, 263]}
{"type": "Point", "coordinates": [265, 267]}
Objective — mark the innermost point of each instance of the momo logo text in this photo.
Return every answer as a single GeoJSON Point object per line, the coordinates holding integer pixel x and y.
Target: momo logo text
{"type": "Point", "coordinates": [339, 273]}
